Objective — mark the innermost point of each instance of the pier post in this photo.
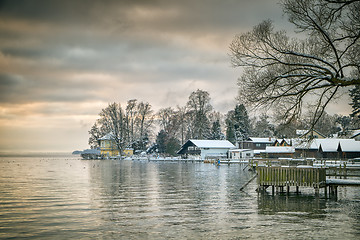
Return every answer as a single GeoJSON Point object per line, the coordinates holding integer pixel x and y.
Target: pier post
{"type": "Point", "coordinates": [325, 191]}
{"type": "Point", "coordinates": [317, 191]}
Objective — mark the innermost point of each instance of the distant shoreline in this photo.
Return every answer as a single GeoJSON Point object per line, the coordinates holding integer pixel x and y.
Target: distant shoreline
{"type": "Point", "coordinates": [34, 154]}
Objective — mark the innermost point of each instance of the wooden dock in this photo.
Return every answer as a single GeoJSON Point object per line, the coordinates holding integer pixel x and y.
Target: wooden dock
{"type": "Point", "coordinates": [280, 177]}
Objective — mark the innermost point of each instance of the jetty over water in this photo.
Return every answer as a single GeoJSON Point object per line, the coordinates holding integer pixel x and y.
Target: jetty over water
{"type": "Point", "coordinates": [304, 176]}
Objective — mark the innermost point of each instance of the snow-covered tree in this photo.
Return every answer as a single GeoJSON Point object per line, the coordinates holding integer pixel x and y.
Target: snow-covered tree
{"type": "Point", "coordinates": [216, 133]}
{"type": "Point", "coordinates": [161, 140]}
{"type": "Point", "coordinates": [199, 107]}
{"type": "Point", "coordinates": [345, 124]}
{"type": "Point", "coordinates": [130, 116]}
{"type": "Point", "coordinates": [355, 101]}
{"type": "Point", "coordinates": [112, 121]}
{"type": "Point", "coordinates": [237, 124]}
{"type": "Point", "coordinates": [143, 123]}
{"type": "Point", "coordinates": [263, 127]}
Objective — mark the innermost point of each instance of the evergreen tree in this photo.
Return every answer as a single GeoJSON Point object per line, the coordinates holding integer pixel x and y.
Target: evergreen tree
{"type": "Point", "coordinates": [216, 133]}
{"type": "Point", "coordinates": [237, 124]}
{"type": "Point", "coordinates": [263, 128]}
{"type": "Point", "coordinates": [172, 146]}
{"type": "Point", "coordinates": [229, 122]}
{"type": "Point", "coordinates": [199, 107]}
{"type": "Point", "coordinates": [161, 140]}
{"type": "Point", "coordinates": [242, 122]}
{"type": "Point", "coordinates": [167, 144]}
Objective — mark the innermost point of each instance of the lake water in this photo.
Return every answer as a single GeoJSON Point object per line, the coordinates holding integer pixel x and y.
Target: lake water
{"type": "Point", "coordinates": [63, 197]}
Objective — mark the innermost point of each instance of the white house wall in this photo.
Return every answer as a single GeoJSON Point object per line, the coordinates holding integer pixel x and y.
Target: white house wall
{"type": "Point", "coordinates": [213, 152]}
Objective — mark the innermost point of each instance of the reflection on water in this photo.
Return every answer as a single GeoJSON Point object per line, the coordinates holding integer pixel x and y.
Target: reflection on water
{"type": "Point", "coordinates": [304, 204]}
{"type": "Point", "coordinates": [63, 197]}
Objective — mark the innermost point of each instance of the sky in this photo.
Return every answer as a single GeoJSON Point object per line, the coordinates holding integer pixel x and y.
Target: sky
{"type": "Point", "coordinates": [62, 61]}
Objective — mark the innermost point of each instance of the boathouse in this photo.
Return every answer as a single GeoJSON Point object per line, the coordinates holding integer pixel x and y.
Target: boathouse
{"type": "Point", "coordinates": [256, 143]}
{"type": "Point", "coordinates": [279, 152]}
{"type": "Point", "coordinates": [327, 148]}
{"type": "Point", "coordinates": [109, 148]}
{"type": "Point", "coordinates": [349, 149]}
{"type": "Point", "coordinates": [206, 149]}
{"type": "Point", "coordinates": [236, 154]}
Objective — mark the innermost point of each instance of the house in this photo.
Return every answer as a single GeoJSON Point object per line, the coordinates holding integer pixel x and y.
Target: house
{"type": "Point", "coordinates": [241, 153]}
{"type": "Point", "coordinates": [283, 142]}
{"type": "Point", "coordinates": [109, 148]}
{"type": "Point", "coordinates": [310, 134]}
{"type": "Point", "coordinates": [206, 149]}
{"type": "Point", "coordinates": [257, 143]}
{"type": "Point", "coordinates": [279, 152]}
{"type": "Point", "coordinates": [324, 148]}
{"type": "Point", "coordinates": [349, 149]}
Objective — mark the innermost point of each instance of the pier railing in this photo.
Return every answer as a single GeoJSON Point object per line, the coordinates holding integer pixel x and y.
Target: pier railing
{"type": "Point", "coordinates": [291, 176]}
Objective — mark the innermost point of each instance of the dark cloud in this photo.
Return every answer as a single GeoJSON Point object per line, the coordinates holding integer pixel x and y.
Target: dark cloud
{"type": "Point", "coordinates": [66, 59]}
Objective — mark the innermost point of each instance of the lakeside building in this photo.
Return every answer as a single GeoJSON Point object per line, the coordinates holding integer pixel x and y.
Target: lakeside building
{"type": "Point", "coordinates": [256, 143]}
{"type": "Point", "coordinates": [237, 154]}
{"type": "Point", "coordinates": [327, 148]}
{"type": "Point", "coordinates": [206, 149]}
{"type": "Point", "coordinates": [109, 148]}
{"type": "Point", "coordinates": [334, 148]}
{"type": "Point", "coordinates": [310, 134]}
{"type": "Point", "coordinates": [279, 152]}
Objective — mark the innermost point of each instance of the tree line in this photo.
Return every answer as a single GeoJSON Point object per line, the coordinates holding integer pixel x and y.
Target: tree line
{"type": "Point", "coordinates": [137, 126]}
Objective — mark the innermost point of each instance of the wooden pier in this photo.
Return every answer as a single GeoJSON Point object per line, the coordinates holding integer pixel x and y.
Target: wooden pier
{"type": "Point", "coordinates": [280, 177]}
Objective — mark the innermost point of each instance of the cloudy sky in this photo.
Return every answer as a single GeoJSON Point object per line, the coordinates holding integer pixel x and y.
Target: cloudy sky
{"type": "Point", "coordinates": [62, 61]}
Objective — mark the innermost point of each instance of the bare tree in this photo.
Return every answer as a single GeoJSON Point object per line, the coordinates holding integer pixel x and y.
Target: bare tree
{"type": "Point", "coordinates": [112, 121]}
{"type": "Point", "coordinates": [130, 118]}
{"type": "Point", "coordinates": [288, 72]}
{"type": "Point", "coordinates": [144, 121]}
{"type": "Point", "coordinates": [169, 121]}
{"type": "Point", "coordinates": [95, 133]}
{"type": "Point", "coordinates": [182, 123]}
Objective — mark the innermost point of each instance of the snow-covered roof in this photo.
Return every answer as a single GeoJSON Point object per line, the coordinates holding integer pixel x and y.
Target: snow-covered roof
{"type": "Point", "coordinates": [262, 140]}
{"type": "Point", "coordinates": [331, 145]}
{"type": "Point", "coordinates": [212, 143]}
{"type": "Point", "coordinates": [109, 136]}
{"type": "Point", "coordinates": [281, 140]}
{"type": "Point", "coordinates": [327, 144]}
{"type": "Point", "coordinates": [305, 144]}
{"type": "Point", "coordinates": [355, 133]}
{"type": "Point", "coordinates": [259, 151]}
{"type": "Point", "coordinates": [305, 132]}
{"type": "Point", "coordinates": [353, 146]}
{"type": "Point", "coordinates": [301, 132]}
{"type": "Point", "coordinates": [241, 150]}
{"type": "Point", "coordinates": [279, 149]}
